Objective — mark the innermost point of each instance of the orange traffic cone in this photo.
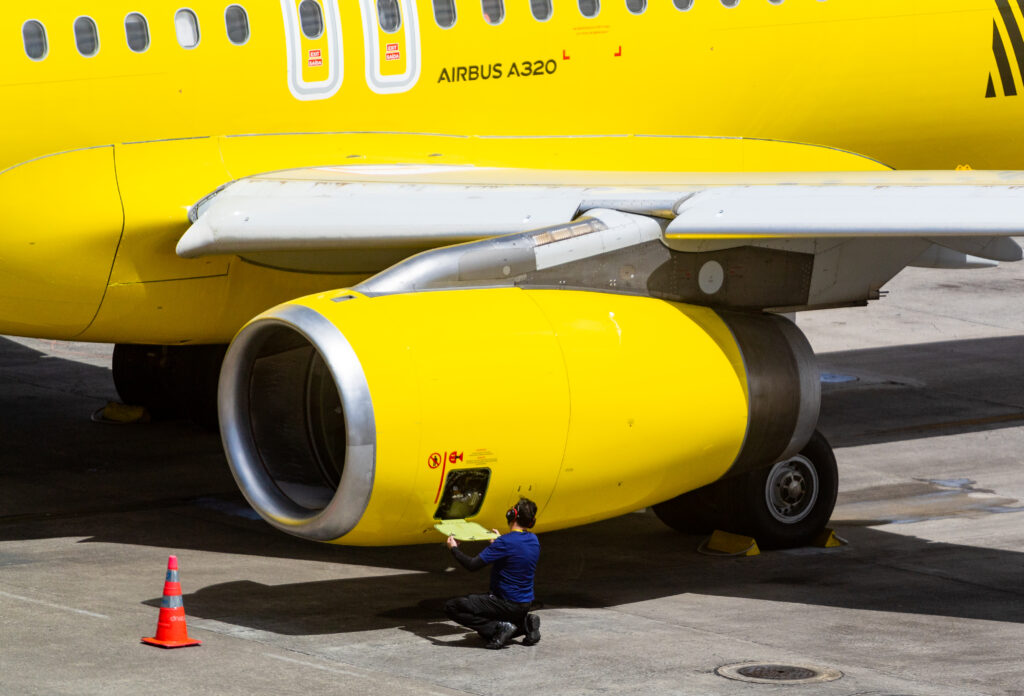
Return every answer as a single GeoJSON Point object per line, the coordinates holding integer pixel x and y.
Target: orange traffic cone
{"type": "Point", "coordinates": [170, 626]}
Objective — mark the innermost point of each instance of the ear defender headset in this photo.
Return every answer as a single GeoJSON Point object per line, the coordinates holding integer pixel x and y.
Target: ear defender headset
{"type": "Point", "coordinates": [513, 515]}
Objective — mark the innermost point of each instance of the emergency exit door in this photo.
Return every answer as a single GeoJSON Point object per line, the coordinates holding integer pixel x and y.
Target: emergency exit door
{"type": "Point", "coordinates": [315, 55]}
{"type": "Point", "coordinates": [392, 39]}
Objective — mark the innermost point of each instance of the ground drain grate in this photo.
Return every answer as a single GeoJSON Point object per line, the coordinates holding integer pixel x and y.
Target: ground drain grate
{"type": "Point", "coordinates": [769, 673]}
{"type": "Point", "coordinates": [778, 672]}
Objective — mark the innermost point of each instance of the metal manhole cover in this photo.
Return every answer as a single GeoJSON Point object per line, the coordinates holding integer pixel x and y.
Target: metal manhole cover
{"type": "Point", "coordinates": [768, 673]}
{"type": "Point", "coordinates": [778, 672]}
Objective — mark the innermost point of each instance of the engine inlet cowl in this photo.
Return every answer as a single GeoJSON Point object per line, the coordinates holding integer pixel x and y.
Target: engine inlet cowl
{"type": "Point", "coordinates": [298, 431]}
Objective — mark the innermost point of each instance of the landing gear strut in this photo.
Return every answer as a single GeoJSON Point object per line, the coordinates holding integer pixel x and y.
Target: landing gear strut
{"type": "Point", "coordinates": [784, 505]}
{"type": "Point", "coordinates": [170, 381]}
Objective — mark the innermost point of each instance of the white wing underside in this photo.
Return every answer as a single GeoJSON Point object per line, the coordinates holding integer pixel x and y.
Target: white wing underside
{"type": "Point", "coordinates": [859, 226]}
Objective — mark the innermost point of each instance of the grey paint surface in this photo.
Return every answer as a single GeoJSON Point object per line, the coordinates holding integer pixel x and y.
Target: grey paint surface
{"type": "Point", "coordinates": [926, 599]}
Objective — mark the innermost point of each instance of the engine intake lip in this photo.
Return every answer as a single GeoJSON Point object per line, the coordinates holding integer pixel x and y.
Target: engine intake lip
{"type": "Point", "coordinates": [349, 502]}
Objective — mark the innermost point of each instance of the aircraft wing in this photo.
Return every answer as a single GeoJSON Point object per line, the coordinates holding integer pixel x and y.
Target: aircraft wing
{"type": "Point", "coordinates": [336, 404]}
{"type": "Point", "coordinates": [853, 232]}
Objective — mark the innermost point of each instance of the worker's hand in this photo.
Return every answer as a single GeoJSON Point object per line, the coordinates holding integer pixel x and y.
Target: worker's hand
{"type": "Point", "coordinates": [452, 544]}
{"type": "Point", "coordinates": [496, 534]}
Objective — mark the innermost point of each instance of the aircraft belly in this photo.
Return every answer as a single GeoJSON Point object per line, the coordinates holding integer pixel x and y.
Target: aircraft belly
{"type": "Point", "coordinates": [56, 258]}
{"type": "Point", "coordinates": [199, 310]}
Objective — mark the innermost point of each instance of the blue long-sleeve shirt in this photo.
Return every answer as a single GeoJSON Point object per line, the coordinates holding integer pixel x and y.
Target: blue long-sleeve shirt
{"type": "Point", "coordinates": [513, 557]}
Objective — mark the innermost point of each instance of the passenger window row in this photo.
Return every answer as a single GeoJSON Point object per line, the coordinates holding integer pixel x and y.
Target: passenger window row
{"type": "Point", "coordinates": [236, 22]}
{"type": "Point", "coordinates": [136, 32]}
{"type": "Point", "coordinates": [494, 10]}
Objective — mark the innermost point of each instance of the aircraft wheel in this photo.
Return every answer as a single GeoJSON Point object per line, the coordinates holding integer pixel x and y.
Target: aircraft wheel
{"type": "Point", "coordinates": [790, 502]}
{"type": "Point", "coordinates": [697, 512]}
{"type": "Point", "coordinates": [137, 373]}
{"type": "Point", "coordinates": [782, 506]}
{"type": "Point", "coordinates": [170, 381]}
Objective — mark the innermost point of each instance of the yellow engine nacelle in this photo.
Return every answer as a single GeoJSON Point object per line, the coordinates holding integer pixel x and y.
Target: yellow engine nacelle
{"type": "Point", "coordinates": [364, 420]}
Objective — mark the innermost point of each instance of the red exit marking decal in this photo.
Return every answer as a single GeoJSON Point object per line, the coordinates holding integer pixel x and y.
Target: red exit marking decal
{"type": "Point", "coordinates": [436, 459]}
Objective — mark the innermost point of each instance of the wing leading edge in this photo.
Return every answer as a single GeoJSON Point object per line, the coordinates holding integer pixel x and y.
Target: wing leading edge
{"type": "Point", "coordinates": [857, 232]}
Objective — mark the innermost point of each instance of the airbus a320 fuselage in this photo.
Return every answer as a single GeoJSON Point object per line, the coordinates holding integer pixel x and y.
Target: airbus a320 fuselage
{"type": "Point", "coordinates": [629, 358]}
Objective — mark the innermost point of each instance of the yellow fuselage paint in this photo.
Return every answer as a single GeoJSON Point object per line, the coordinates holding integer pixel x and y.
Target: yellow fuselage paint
{"type": "Point", "coordinates": [102, 156]}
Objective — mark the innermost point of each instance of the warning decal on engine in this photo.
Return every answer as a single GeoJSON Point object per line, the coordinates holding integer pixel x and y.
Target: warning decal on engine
{"type": "Point", "coordinates": [482, 457]}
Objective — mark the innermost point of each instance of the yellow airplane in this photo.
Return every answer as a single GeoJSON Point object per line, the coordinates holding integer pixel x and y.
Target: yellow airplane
{"type": "Point", "coordinates": [471, 250]}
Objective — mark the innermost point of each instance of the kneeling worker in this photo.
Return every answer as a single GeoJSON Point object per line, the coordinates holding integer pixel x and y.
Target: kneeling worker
{"type": "Point", "coordinates": [504, 613]}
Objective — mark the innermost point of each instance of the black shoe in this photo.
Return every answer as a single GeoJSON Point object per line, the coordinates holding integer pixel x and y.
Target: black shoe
{"type": "Point", "coordinates": [502, 635]}
{"type": "Point", "coordinates": [532, 630]}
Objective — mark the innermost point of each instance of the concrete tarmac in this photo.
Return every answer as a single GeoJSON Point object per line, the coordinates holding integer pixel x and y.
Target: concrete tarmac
{"type": "Point", "coordinates": [924, 403]}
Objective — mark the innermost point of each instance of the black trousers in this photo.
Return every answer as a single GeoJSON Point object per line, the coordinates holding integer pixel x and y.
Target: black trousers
{"type": "Point", "coordinates": [482, 612]}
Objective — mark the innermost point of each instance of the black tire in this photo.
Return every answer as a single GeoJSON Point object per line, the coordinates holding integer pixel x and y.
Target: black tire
{"type": "Point", "coordinates": [789, 503]}
{"type": "Point", "coordinates": [196, 372]}
{"type": "Point", "coordinates": [170, 381]}
{"type": "Point", "coordinates": [137, 371]}
{"type": "Point", "coordinates": [804, 489]}
{"type": "Point", "coordinates": [698, 512]}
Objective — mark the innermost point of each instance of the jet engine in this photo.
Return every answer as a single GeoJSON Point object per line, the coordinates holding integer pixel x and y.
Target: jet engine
{"type": "Point", "coordinates": [364, 420]}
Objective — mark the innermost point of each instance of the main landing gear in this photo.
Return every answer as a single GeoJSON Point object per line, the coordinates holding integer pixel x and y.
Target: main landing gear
{"type": "Point", "coordinates": [783, 505]}
{"type": "Point", "coordinates": [170, 381]}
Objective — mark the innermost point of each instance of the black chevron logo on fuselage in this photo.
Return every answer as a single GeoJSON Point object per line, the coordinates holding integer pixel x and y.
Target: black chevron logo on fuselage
{"type": "Point", "coordinates": [999, 52]}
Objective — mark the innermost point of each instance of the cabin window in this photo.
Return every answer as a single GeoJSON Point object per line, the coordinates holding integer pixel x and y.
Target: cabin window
{"type": "Point", "coordinates": [444, 13]}
{"type": "Point", "coordinates": [87, 37]}
{"type": "Point", "coordinates": [311, 17]}
{"type": "Point", "coordinates": [541, 9]}
{"type": "Point", "coordinates": [589, 8]}
{"type": "Point", "coordinates": [186, 27]}
{"type": "Point", "coordinates": [682, 5]}
{"type": "Point", "coordinates": [494, 11]}
{"type": "Point", "coordinates": [33, 33]}
{"type": "Point", "coordinates": [237, 23]}
{"type": "Point", "coordinates": [636, 6]}
{"type": "Point", "coordinates": [136, 31]}
{"type": "Point", "coordinates": [388, 15]}
{"type": "Point", "coordinates": [730, 3]}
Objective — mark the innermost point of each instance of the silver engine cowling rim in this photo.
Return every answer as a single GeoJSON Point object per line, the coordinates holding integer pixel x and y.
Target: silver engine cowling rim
{"type": "Point", "coordinates": [352, 496]}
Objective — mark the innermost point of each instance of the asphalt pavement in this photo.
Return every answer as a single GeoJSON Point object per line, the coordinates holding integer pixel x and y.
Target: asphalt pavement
{"type": "Point", "coordinates": [923, 400]}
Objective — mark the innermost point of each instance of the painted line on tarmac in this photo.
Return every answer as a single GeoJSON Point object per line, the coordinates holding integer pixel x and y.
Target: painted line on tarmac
{"type": "Point", "coordinates": [52, 605]}
{"type": "Point", "coordinates": [338, 670]}
{"type": "Point", "coordinates": [325, 668]}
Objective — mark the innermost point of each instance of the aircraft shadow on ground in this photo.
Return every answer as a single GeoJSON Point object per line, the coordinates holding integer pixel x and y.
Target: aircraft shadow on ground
{"type": "Point", "coordinates": [634, 559]}
{"type": "Point", "coordinates": [918, 391]}
{"type": "Point", "coordinates": [166, 485]}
